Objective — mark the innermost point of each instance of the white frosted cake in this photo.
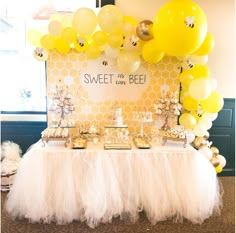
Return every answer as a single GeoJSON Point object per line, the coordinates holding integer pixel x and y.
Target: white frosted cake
{"type": "Point", "coordinates": [117, 119]}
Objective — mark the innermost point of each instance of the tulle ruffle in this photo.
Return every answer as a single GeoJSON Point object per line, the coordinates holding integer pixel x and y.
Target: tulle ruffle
{"type": "Point", "coordinates": [56, 184]}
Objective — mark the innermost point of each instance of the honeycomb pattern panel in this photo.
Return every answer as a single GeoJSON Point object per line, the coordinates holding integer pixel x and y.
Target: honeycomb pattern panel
{"type": "Point", "coordinates": [67, 69]}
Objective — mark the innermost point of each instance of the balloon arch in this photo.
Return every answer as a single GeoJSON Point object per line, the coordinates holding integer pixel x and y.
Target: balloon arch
{"type": "Point", "coordinates": [178, 29]}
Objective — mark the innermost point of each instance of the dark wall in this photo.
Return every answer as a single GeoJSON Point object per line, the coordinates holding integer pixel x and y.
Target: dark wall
{"type": "Point", "coordinates": [22, 133]}
{"type": "Point", "coordinates": [222, 134]}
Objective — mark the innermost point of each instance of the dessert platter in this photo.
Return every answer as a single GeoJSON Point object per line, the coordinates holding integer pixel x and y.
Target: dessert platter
{"type": "Point", "coordinates": [55, 134]}
{"type": "Point", "coordinates": [172, 134]}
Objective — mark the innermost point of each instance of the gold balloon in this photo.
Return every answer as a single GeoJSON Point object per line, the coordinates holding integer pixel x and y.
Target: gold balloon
{"type": "Point", "coordinates": [198, 142]}
{"type": "Point", "coordinates": [214, 150]}
{"type": "Point", "coordinates": [144, 30]}
{"type": "Point", "coordinates": [215, 161]}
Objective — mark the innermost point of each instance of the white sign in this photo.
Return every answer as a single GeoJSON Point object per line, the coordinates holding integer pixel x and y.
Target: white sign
{"type": "Point", "coordinates": [103, 81]}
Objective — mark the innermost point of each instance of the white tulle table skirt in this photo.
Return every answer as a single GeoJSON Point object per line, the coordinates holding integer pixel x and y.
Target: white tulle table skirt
{"type": "Point", "coordinates": [94, 185]}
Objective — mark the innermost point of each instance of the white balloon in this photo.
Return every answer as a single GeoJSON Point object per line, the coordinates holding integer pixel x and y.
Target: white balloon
{"type": "Point", "coordinates": [211, 116]}
{"type": "Point", "coordinates": [205, 122]}
{"type": "Point", "coordinates": [206, 151]}
{"type": "Point", "coordinates": [111, 52]}
{"type": "Point", "coordinates": [199, 130]}
{"type": "Point", "coordinates": [190, 137]}
{"type": "Point", "coordinates": [222, 160]}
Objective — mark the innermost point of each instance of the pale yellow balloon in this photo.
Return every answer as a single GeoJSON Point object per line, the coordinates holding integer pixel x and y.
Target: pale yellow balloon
{"type": "Point", "coordinates": [84, 21]}
{"type": "Point", "coordinates": [55, 28]}
{"type": "Point", "coordinates": [128, 62]}
{"type": "Point", "coordinates": [33, 37]}
{"type": "Point", "coordinates": [187, 120]}
{"type": "Point", "coordinates": [110, 18]}
{"type": "Point", "coordinates": [67, 20]}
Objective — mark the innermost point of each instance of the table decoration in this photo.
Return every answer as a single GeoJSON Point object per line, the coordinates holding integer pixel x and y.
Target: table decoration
{"type": "Point", "coordinates": [55, 134]}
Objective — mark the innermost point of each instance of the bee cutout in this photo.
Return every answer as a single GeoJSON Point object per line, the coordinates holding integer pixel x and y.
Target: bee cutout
{"type": "Point", "coordinates": [190, 63]}
{"type": "Point", "coordinates": [81, 41]}
{"type": "Point", "coordinates": [105, 63]}
{"type": "Point", "coordinates": [134, 40]}
{"type": "Point", "coordinates": [187, 64]}
{"type": "Point", "coordinates": [40, 54]}
{"type": "Point", "coordinates": [81, 44]}
{"type": "Point", "coordinates": [189, 21]}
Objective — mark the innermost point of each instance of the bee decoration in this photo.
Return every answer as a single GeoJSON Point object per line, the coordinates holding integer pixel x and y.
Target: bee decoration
{"type": "Point", "coordinates": [81, 41]}
{"type": "Point", "coordinates": [133, 40]}
{"type": "Point", "coordinates": [40, 54]}
{"type": "Point", "coordinates": [189, 21]}
{"type": "Point", "coordinates": [105, 63]}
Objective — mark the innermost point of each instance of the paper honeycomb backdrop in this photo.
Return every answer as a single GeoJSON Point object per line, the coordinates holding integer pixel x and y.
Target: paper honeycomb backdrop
{"type": "Point", "coordinates": [67, 69]}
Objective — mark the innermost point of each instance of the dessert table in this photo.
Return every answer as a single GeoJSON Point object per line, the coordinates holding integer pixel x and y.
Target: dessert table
{"type": "Point", "coordinates": [59, 184]}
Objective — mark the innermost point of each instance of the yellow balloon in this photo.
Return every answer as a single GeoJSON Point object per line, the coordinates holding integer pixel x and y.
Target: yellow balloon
{"type": "Point", "coordinates": [115, 39]}
{"type": "Point", "coordinates": [69, 34]}
{"type": "Point", "coordinates": [151, 53]}
{"type": "Point", "coordinates": [92, 51]}
{"type": "Point", "coordinates": [128, 62]}
{"type": "Point", "coordinates": [185, 79]}
{"type": "Point", "coordinates": [207, 45]}
{"type": "Point", "coordinates": [84, 21]}
{"type": "Point", "coordinates": [110, 18]}
{"type": "Point", "coordinates": [33, 37]}
{"type": "Point", "coordinates": [218, 169]}
{"type": "Point", "coordinates": [198, 71]}
{"type": "Point", "coordinates": [187, 120]}
{"type": "Point", "coordinates": [214, 103]}
{"type": "Point", "coordinates": [180, 27]}
{"type": "Point", "coordinates": [61, 46]}
{"type": "Point", "coordinates": [67, 20]}
{"type": "Point", "coordinates": [190, 104]}
{"type": "Point", "coordinates": [48, 42]}
{"type": "Point", "coordinates": [100, 38]}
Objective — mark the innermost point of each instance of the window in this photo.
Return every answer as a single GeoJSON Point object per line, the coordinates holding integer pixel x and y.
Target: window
{"type": "Point", "coordinates": [23, 78]}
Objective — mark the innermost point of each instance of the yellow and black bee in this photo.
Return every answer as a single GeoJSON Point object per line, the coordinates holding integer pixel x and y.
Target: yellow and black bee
{"type": "Point", "coordinates": [134, 40]}
{"type": "Point", "coordinates": [105, 63]}
{"type": "Point", "coordinates": [189, 21]}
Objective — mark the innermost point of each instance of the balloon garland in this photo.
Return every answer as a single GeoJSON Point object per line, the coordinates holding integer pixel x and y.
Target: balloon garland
{"type": "Point", "coordinates": [178, 29]}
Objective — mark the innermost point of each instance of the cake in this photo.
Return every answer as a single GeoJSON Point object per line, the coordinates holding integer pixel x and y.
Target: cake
{"type": "Point", "coordinates": [116, 118]}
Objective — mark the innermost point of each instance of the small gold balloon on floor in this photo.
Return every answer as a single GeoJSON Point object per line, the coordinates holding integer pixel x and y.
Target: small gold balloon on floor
{"type": "Point", "coordinates": [144, 30]}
